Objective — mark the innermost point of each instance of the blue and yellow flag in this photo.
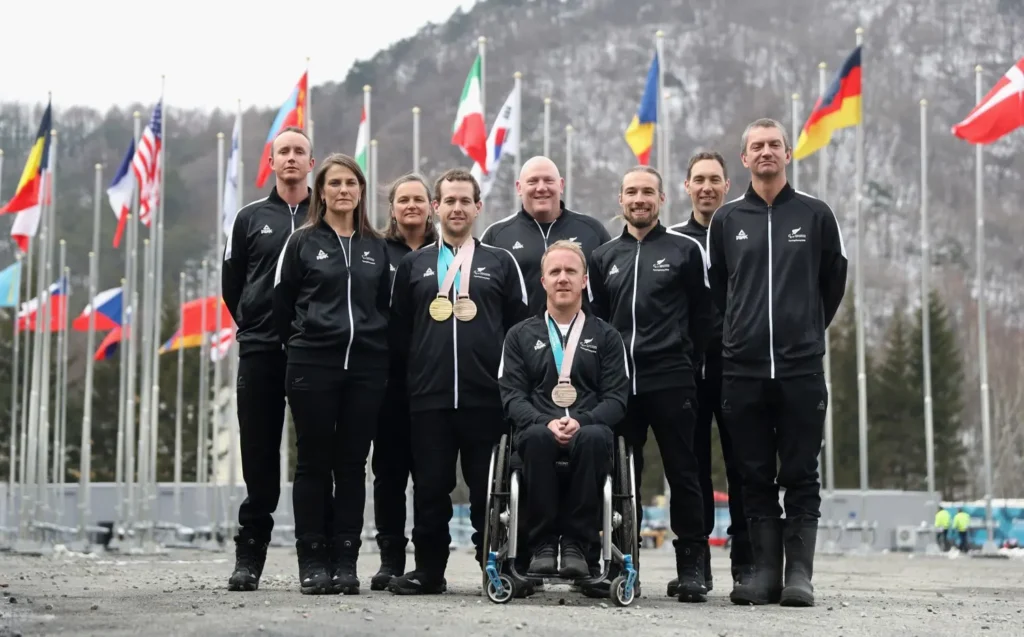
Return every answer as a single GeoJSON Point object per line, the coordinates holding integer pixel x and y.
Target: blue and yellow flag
{"type": "Point", "coordinates": [10, 285]}
{"type": "Point", "coordinates": [640, 134]}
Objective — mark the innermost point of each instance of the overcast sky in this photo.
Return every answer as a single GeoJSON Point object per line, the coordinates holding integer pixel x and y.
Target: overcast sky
{"type": "Point", "coordinates": [105, 52]}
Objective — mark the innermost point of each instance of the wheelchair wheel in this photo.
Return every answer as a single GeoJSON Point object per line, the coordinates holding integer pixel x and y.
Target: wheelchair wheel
{"type": "Point", "coordinates": [628, 536]}
{"type": "Point", "coordinates": [618, 590]}
{"type": "Point", "coordinates": [496, 496]}
{"type": "Point", "coordinates": [507, 592]}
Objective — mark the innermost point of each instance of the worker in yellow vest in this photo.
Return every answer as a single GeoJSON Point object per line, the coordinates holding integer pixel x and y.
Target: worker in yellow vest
{"type": "Point", "coordinates": [962, 524]}
{"type": "Point", "coordinates": [942, 518]}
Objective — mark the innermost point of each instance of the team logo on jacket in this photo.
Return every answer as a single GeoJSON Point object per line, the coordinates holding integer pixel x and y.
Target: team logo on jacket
{"type": "Point", "coordinates": [321, 255]}
{"type": "Point", "coordinates": [588, 345]}
{"type": "Point", "coordinates": [661, 266]}
{"type": "Point", "coordinates": [517, 246]}
{"type": "Point", "coordinates": [367, 259]}
{"type": "Point", "coordinates": [266, 230]}
{"type": "Point", "coordinates": [741, 236]}
{"type": "Point", "coordinates": [481, 273]}
{"type": "Point", "coordinates": [614, 270]}
{"type": "Point", "coordinates": [429, 272]}
{"type": "Point", "coordinates": [539, 346]}
{"type": "Point", "coordinates": [795, 236]}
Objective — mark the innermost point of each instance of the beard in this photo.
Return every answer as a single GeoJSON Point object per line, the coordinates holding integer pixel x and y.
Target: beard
{"type": "Point", "coordinates": [641, 223]}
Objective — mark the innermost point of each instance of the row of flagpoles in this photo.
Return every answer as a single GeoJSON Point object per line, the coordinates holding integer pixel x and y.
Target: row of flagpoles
{"type": "Point", "coordinates": [137, 190]}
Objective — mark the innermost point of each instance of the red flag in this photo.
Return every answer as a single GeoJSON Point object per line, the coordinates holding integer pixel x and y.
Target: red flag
{"type": "Point", "coordinates": [291, 113]}
{"type": "Point", "coordinates": [999, 113]}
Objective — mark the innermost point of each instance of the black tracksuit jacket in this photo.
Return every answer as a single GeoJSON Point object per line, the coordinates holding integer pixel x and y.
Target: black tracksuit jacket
{"type": "Point", "coordinates": [655, 292]}
{"type": "Point", "coordinates": [331, 299]}
{"type": "Point", "coordinates": [525, 238]}
{"type": "Point", "coordinates": [454, 363]}
{"type": "Point", "coordinates": [778, 274]}
{"type": "Point", "coordinates": [527, 375]}
{"type": "Point", "coordinates": [692, 228]}
{"type": "Point", "coordinates": [258, 235]}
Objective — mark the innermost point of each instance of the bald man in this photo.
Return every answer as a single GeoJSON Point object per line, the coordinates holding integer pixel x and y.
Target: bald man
{"type": "Point", "coordinates": [542, 220]}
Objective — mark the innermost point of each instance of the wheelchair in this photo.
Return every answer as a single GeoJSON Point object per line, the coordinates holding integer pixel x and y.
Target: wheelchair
{"type": "Point", "coordinates": [619, 537]}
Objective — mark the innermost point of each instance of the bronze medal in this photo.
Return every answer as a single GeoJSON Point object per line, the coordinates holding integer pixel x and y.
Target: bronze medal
{"type": "Point", "coordinates": [465, 308]}
{"type": "Point", "coordinates": [440, 309]}
{"type": "Point", "coordinates": [563, 394]}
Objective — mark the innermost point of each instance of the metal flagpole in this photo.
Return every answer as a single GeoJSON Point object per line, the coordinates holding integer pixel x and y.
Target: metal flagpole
{"type": "Point", "coordinates": [133, 335]}
{"type": "Point", "coordinates": [119, 468]}
{"type": "Point", "coordinates": [59, 439]}
{"type": "Point", "coordinates": [85, 448]}
{"type": "Point", "coordinates": [926, 288]}
{"type": "Point", "coordinates": [26, 382]}
{"type": "Point", "coordinates": [62, 489]}
{"type": "Point", "coordinates": [179, 404]}
{"type": "Point", "coordinates": [830, 473]}
{"type": "Point", "coordinates": [989, 547]}
{"type": "Point", "coordinates": [203, 433]}
{"type": "Point", "coordinates": [375, 219]}
{"type": "Point", "coordinates": [15, 345]}
{"type": "Point", "coordinates": [235, 448]}
{"type": "Point", "coordinates": [308, 122]}
{"type": "Point", "coordinates": [517, 81]}
{"type": "Point", "coordinates": [481, 45]}
{"type": "Point", "coordinates": [218, 368]}
{"type": "Point", "coordinates": [367, 91]}
{"type": "Point", "coordinates": [547, 127]}
{"type": "Point", "coordinates": [664, 161]}
{"type": "Point", "coordinates": [415, 139]}
{"type": "Point", "coordinates": [45, 328]}
{"type": "Point", "coordinates": [860, 302]}
{"type": "Point", "coordinates": [796, 127]}
{"type": "Point", "coordinates": [568, 166]}
{"type": "Point", "coordinates": [156, 306]}
{"type": "Point", "coordinates": [148, 249]}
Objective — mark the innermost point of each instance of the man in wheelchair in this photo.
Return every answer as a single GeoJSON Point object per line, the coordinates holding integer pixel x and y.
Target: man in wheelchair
{"type": "Point", "coordinates": [564, 386]}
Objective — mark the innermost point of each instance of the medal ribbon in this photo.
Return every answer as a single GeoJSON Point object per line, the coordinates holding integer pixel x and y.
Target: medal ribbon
{"type": "Point", "coordinates": [454, 269]}
{"type": "Point", "coordinates": [564, 356]}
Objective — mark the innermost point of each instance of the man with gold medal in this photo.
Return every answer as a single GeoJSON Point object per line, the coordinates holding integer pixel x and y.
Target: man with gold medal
{"type": "Point", "coordinates": [451, 304]}
{"type": "Point", "coordinates": [564, 385]}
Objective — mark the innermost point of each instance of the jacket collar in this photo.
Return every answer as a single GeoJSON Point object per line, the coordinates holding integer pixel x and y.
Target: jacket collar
{"type": "Point", "coordinates": [525, 216]}
{"type": "Point", "coordinates": [655, 232]}
{"type": "Point", "coordinates": [784, 195]}
{"type": "Point", "coordinates": [276, 198]}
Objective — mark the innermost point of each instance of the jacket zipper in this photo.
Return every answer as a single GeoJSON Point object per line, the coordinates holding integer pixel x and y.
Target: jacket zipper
{"type": "Point", "coordinates": [771, 296]}
{"type": "Point", "coordinates": [632, 340]}
{"type": "Point", "coordinates": [293, 211]}
{"type": "Point", "coordinates": [455, 351]}
{"type": "Point", "coordinates": [542, 234]}
{"type": "Point", "coordinates": [351, 322]}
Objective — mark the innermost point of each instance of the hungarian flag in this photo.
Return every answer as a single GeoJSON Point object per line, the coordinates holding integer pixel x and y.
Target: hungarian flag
{"type": "Point", "coordinates": [363, 144]}
{"type": "Point", "coordinates": [469, 132]}
{"type": "Point", "coordinates": [999, 113]}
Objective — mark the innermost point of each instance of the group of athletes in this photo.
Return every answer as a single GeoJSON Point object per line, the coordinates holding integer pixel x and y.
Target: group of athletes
{"type": "Point", "coordinates": [429, 344]}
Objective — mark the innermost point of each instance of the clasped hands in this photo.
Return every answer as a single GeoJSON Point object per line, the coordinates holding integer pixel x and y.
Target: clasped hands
{"type": "Point", "coordinates": [564, 428]}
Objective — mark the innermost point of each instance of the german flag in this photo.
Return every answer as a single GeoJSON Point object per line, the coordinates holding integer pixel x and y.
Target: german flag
{"type": "Point", "coordinates": [838, 108]}
{"type": "Point", "coordinates": [27, 195]}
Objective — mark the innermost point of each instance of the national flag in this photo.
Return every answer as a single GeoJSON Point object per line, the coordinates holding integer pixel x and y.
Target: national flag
{"type": "Point", "coordinates": [221, 344]}
{"type": "Point", "coordinates": [26, 199]}
{"type": "Point", "coordinates": [999, 112]}
{"type": "Point", "coordinates": [640, 132]}
{"type": "Point", "coordinates": [231, 180]}
{"type": "Point", "coordinates": [57, 302]}
{"type": "Point", "coordinates": [121, 191]}
{"type": "Point", "coordinates": [147, 164]}
{"type": "Point", "coordinates": [839, 107]}
{"type": "Point", "coordinates": [10, 285]}
{"type": "Point", "coordinates": [469, 132]}
{"type": "Point", "coordinates": [108, 307]}
{"type": "Point", "coordinates": [108, 347]}
{"type": "Point", "coordinates": [503, 140]}
{"type": "Point", "coordinates": [190, 332]}
{"type": "Point", "coordinates": [363, 144]}
{"type": "Point", "coordinates": [292, 113]}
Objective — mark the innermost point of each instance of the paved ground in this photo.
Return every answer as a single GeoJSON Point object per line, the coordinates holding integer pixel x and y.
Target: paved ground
{"type": "Point", "coordinates": [183, 593]}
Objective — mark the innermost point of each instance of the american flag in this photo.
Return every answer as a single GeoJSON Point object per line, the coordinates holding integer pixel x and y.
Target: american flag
{"type": "Point", "coordinates": [148, 165]}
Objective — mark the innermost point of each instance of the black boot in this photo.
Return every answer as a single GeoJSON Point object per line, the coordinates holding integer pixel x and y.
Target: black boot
{"type": "Point", "coordinates": [690, 570]}
{"type": "Point", "coordinates": [799, 538]}
{"type": "Point", "coordinates": [708, 579]}
{"type": "Point", "coordinates": [344, 556]}
{"type": "Point", "coordinates": [314, 565]}
{"type": "Point", "coordinates": [250, 556]}
{"type": "Point", "coordinates": [427, 578]}
{"type": "Point", "coordinates": [765, 586]}
{"type": "Point", "coordinates": [742, 558]}
{"type": "Point", "coordinates": [574, 565]}
{"type": "Point", "coordinates": [392, 561]}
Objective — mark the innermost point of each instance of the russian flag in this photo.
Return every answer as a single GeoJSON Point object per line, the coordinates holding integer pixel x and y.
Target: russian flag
{"type": "Point", "coordinates": [57, 292]}
{"type": "Point", "coordinates": [121, 191]}
{"type": "Point", "coordinates": [107, 306]}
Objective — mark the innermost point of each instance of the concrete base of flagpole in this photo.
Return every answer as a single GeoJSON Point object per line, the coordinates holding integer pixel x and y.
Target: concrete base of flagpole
{"type": "Point", "coordinates": [32, 547]}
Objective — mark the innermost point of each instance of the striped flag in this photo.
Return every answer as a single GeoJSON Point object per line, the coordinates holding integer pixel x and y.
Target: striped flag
{"type": "Point", "coordinates": [147, 165]}
{"type": "Point", "coordinates": [362, 144]}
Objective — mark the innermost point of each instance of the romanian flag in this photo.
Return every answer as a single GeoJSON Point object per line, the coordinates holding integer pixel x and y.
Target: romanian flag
{"type": "Point", "coordinates": [292, 113]}
{"type": "Point", "coordinates": [640, 134]}
{"type": "Point", "coordinates": [26, 199]}
{"type": "Point", "coordinates": [190, 332]}
{"type": "Point", "coordinates": [838, 108]}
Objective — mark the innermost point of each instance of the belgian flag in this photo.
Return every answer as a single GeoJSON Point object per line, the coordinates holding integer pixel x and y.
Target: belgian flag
{"type": "Point", "coordinates": [26, 200]}
{"type": "Point", "coordinates": [839, 107]}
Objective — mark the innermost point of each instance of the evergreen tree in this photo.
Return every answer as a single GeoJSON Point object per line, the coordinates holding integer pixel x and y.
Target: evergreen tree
{"type": "Point", "coordinates": [843, 398]}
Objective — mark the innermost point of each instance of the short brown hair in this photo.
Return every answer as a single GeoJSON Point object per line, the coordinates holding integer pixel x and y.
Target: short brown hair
{"type": "Point", "coordinates": [764, 122]}
{"type": "Point", "coordinates": [457, 174]}
{"type": "Point", "coordinates": [564, 244]}
{"type": "Point", "coordinates": [391, 232]}
{"type": "Point", "coordinates": [292, 129]}
{"type": "Point", "coordinates": [642, 169]}
{"type": "Point", "coordinates": [706, 155]}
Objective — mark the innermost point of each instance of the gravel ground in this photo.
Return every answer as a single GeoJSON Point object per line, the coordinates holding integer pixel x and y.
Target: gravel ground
{"type": "Point", "coordinates": [183, 593]}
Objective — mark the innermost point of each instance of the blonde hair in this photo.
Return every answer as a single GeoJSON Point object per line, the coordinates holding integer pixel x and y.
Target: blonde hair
{"type": "Point", "coordinates": [564, 244]}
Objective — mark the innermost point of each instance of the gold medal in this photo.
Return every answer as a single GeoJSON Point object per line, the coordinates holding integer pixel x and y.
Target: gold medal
{"type": "Point", "coordinates": [465, 308]}
{"type": "Point", "coordinates": [440, 309]}
{"type": "Point", "coordinates": [563, 394]}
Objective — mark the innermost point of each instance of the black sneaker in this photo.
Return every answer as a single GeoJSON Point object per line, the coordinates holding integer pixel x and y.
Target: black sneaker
{"type": "Point", "coordinates": [392, 561]}
{"type": "Point", "coordinates": [574, 565]}
{"type": "Point", "coordinates": [418, 583]}
{"type": "Point", "coordinates": [314, 562]}
{"type": "Point", "coordinates": [250, 556]}
{"type": "Point", "coordinates": [545, 559]}
{"type": "Point", "coordinates": [344, 555]}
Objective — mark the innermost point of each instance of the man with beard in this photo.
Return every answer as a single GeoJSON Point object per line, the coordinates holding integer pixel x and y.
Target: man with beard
{"type": "Point", "coordinates": [257, 238]}
{"type": "Point", "coordinates": [778, 273]}
{"type": "Point", "coordinates": [651, 284]}
{"type": "Point", "coordinates": [707, 183]}
{"type": "Point", "coordinates": [542, 220]}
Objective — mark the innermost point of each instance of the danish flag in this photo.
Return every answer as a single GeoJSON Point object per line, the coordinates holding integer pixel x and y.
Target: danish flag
{"type": "Point", "coordinates": [147, 165]}
{"type": "Point", "coordinates": [999, 113]}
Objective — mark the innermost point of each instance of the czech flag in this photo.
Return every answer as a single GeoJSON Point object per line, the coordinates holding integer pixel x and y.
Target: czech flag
{"type": "Point", "coordinates": [107, 306]}
{"type": "Point", "coordinates": [838, 108]}
{"type": "Point", "coordinates": [292, 113]}
{"type": "Point", "coordinates": [27, 200]}
{"type": "Point", "coordinates": [640, 133]}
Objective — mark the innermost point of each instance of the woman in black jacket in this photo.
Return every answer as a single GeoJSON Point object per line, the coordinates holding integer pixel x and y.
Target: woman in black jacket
{"type": "Point", "coordinates": [410, 226]}
{"type": "Point", "coordinates": [331, 296]}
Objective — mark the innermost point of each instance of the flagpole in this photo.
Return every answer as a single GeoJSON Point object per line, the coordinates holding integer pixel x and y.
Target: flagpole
{"type": "Point", "coordinates": [568, 166]}
{"type": "Point", "coordinates": [796, 127]}
{"type": "Point", "coordinates": [179, 402]}
{"type": "Point", "coordinates": [481, 44]}
{"type": "Point", "coordinates": [142, 460]}
{"type": "Point", "coordinates": [156, 307]}
{"type": "Point", "coordinates": [547, 127]}
{"type": "Point", "coordinates": [367, 90]}
{"type": "Point", "coordinates": [129, 360]}
{"type": "Point", "coordinates": [44, 326]}
{"type": "Point", "coordinates": [235, 448]}
{"type": "Point", "coordinates": [517, 82]}
{"type": "Point", "coordinates": [989, 547]}
{"type": "Point", "coordinates": [62, 490]}
{"type": "Point", "coordinates": [375, 220]}
{"type": "Point", "coordinates": [416, 139]}
{"type": "Point", "coordinates": [218, 368]}
{"type": "Point", "coordinates": [860, 302]}
{"type": "Point", "coordinates": [26, 380]}
{"type": "Point", "coordinates": [926, 344]}
{"type": "Point", "coordinates": [203, 436]}
{"type": "Point", "coordinates": [308, 119]}
{"type": "Point", "coordinates": [58, 398]}
{"type": "Point", "coordinates": [15, 345]}
{"type": "Point", "coordinates": [830, 472]}
{"type": "Point", "coordinates": [664, 160]}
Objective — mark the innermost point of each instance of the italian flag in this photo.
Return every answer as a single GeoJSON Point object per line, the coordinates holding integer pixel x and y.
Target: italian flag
{"type": "Point", "coordinates": [469, 132]}
{"type": "Point", "coordinates": [362, 144]}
